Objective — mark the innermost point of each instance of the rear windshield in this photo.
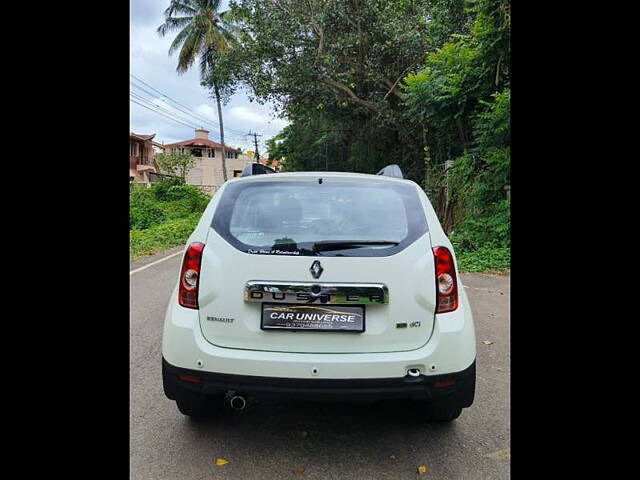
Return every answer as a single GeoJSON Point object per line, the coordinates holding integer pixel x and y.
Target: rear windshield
{"type": "Point", "coordinates": [320, 219]}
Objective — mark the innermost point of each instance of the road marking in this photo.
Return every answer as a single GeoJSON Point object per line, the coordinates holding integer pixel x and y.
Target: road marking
{"type": "Point", "coordinates": [155, 263]}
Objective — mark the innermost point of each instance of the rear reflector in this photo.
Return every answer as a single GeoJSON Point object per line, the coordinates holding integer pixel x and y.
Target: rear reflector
{"type": "Point", "coordinates": [190, 276]}
{"type": "Point", "coordinates": [189, 378]}
{"type": "Point", "coordinates": [444, 383]}
{"type": "Point", "coordinates": [446, 282]}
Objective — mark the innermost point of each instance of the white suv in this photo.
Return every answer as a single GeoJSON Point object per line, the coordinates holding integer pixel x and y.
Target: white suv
{"type": "Point", "coordinates": [322, 285]}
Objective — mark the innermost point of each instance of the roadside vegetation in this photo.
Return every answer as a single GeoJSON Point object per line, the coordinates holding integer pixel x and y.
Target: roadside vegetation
{"type": "Point", "coordinates": [425, 84]}
{"type": "Point", "coordinates": [484, 259]}
{"type": "Point", "coordinates": [163, 216]}
{"type": "Point", "coordinates": [203, 33]}
{"type": "Point", "coordinates": [421, 83]}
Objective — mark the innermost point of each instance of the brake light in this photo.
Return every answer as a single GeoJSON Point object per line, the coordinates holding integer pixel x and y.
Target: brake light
{"type": "Point", "coordinates": [446, 283]}
{"type": "Point", "coordinates": [190, 276]}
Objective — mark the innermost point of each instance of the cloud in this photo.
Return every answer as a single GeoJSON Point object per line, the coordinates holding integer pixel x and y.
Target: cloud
{"type": "Point", "coordinates": [150, 62]}
{"type": "Point", "coordinates": [246, 114]}
{"type": "Point", "coordinates": [206, 110]}
{"type": "Point", "coordinates": [144, 12]}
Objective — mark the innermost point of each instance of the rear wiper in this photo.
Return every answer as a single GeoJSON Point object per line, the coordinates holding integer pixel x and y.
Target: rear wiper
{"type": "Point", "coordinates": [328, 245]}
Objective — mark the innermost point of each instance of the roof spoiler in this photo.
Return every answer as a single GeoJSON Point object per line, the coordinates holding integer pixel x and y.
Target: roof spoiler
{"type": "Point", "coordinates": [391, 171]}
{"type": "Point", "coordinates": [256, 169]}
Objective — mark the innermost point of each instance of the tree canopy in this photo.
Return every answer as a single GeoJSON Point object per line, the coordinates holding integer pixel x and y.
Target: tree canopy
{"type": "Point", "coordinates": [175, 163]}
{"type": "Point", "coordinates": [203, 35]}
{"type": "Point", "coordinates": [366, 83]}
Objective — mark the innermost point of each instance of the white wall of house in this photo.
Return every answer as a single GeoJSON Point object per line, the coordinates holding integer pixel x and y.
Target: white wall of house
{"type": "Point", "coordinates": [208, 170]}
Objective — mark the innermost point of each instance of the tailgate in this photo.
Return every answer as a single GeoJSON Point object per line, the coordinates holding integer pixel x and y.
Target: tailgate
{"type": "Point", "coordinates": [403, 321]}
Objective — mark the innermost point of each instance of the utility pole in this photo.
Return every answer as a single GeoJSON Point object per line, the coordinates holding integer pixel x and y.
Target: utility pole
{"type": "Point", "coordinates": [255, 136]}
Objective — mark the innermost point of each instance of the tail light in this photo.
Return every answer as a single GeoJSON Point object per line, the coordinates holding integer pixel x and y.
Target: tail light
{"type": "Point", "coordinates": [446, 282]}
{"type": "Point", "coordinates": [190, 276]}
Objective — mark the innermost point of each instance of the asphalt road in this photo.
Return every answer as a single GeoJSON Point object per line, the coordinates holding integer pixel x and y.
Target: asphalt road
{"type": "Point", "coordinates": [280, 439]}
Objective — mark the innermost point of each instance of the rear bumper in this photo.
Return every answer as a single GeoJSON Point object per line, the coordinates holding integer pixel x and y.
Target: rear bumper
{"type": "Point", "coordinates": [422, 387]}
{"type": "Point", "coordinates": [450, 349]}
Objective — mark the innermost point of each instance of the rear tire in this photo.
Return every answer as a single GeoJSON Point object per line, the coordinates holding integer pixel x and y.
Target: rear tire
{"type": "Point", "coordinates": [442, 413]}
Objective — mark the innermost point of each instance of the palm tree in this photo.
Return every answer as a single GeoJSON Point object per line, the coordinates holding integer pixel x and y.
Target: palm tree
{"type": "Point", "coordinates": [202, 32]}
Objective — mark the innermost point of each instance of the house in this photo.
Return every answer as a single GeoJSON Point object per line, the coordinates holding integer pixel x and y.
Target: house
{"type": "Point", "coordinates": [142, 150]}
{"type": "Point", "coordinates": [207, 171]}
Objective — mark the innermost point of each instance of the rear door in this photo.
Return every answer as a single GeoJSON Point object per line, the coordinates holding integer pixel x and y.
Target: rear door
{"type": "Point", "coordinates": [269, 233]}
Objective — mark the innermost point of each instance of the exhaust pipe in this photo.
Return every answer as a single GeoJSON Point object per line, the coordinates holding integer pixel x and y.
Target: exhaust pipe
{"type": "Point", "coordinates": [238, 402]}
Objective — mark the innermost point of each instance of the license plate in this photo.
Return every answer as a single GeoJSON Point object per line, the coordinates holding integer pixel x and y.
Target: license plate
{"type": "Point", "coordinates": [325, 318]}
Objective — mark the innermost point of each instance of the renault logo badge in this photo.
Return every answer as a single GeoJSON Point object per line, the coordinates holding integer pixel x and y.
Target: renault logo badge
{"type": "Point", "coordinates": [316, 269]}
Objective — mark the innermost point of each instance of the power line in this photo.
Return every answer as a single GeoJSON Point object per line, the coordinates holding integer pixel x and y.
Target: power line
{"type": "Point", "coordinates": [180, 111]}
{"type": "Point", "coordinates": [183, 118]}
{"type": "Point", "coordinates": [190, 110]}
{"type": "Point", "coordinates": [163, 109]}
{"type": "Point", "coordinates": [153, 95]}
{"type": "Point", "coordinates": [160, 113]}
{"type": "Point", "coordinates": [192, 115]}
{"type": "Point", "coordinates": [171, 115]}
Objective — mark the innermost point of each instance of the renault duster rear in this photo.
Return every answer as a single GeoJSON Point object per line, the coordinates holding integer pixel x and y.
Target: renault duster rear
{"type": "Point", "coordinates": [323, 285]}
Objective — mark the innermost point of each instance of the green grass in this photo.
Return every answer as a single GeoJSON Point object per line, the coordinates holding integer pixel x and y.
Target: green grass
{"type": "Point", "coordinates": [163, 215]}
{"type": "Point", "coordinates": [161, 237]}
{"type": "Point", "coordinates": [486, 260]}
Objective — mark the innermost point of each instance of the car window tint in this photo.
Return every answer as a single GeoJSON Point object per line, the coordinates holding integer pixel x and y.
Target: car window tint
{"type": "Point", "coordinates": [293, 215]}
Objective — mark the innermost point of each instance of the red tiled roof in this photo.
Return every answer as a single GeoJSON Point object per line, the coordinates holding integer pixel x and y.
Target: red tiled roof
{"type": "Point", "coordinates": [141, 136]}
{"type": "Point", "coordinates": [197, 142]}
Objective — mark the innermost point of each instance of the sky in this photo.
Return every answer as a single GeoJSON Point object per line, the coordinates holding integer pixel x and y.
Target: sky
{"type": "Point", "coordinates": [151, 63]}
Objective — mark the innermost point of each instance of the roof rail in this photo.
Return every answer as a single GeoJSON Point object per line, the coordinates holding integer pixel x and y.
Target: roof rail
{"type": "Point", "coordinates": [256, 169]}
{"type": "Point", "coordinates": [391, 171]}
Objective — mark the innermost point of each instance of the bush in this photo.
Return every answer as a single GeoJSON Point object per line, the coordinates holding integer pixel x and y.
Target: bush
{"type": "Point", "coordinates": [489, 230]}
{"type": "Point", "coordinates": [482, 229]}
{"type": "Point", "coordinates": [171, 189]}
{"type": "Point", "coordinates": [175, 210]}
{"type": "Point", "coordinates": [189, 196]}
{"type": "Point", "coordinates": [168, 199]}
{"type": "Point", "coordinates": [144, 211]}
{"type": "Point", "coordinates": [485, 259]}
{"type": "Point", "coordinates": [161, 237]}
{"type": "Point", "coordinates": [482, 243]}
{"type": "Point", "coordinates": [142, 217]}
{"type": "Point", "coordinates": [163, 215]}
{"type": "Point", "coordinates": [160, 189]}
